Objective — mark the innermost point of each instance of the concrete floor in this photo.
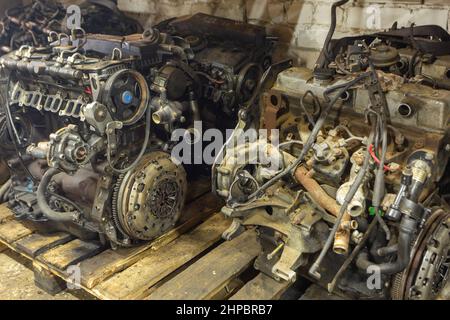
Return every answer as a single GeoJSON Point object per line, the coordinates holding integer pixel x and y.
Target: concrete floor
{"type": "Point", "coordinates": [17, 281]}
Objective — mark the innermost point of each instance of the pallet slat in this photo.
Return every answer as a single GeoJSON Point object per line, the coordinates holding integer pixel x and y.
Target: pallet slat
{"type": "Point", "coordinates": [70, 254]}
{"type": "Point", "coordinates": [184, 263]}
{"type": "Point", "coordinates": [316, 292]}
{"type": "Point", "coordinates": [212, 272]}
{"type": "Point", "coordinates": [98, 268]}
{"type": "Point", "coordinates": [109, 262]}
{"type": "Point", "coordinates": [14, 230]}
{"type": "Point", "coordinates": [135, 281]}
{"type": "Point", "coordinates": [197, 189]}
{"type": "Point", "coordinates": [35, 243]}
{"type": "Point", "coordinates": [262, 287]}
{"type": "Point", "coordinates": [5, 213]}
{"type": "Point", "coordinates": [194, 214]}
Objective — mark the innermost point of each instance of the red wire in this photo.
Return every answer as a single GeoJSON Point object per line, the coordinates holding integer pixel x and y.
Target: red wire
{"type": "Point", "coordinates": [88, 90]}
{"type": "Point", "coordinates": [375, 158]}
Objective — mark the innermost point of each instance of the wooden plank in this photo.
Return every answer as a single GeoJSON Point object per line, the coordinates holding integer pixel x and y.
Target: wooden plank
{"type": "Point", "coordinates": [109, 262]}
{"type": "Point", "coordinates": [262, 287]}
{"type": "Point", "coordinates": [102, 266]}
{"type": "Point", "coordinates": [135, 281]}
{"type": "Point", "coordinates": [228, 290]}
{"type": "Point", "coordinates": [36, 243]}
{"type": "Point", "coordinates": [5, 213]}
{"type": "Point", "coordinates": [207, 203]}
{"type": "Point", "coordinates": [198, 188]}
{"type": "Point", "coordinates": [193, 215]}
{"type": "Point", "coordinates": [2, 247]}
{"type": "Point", "coordinates": [210, 274]}
{"type": "Point", "coordinates": [316, 292]}
{"type": "Point", "coordinates": [14, 230]}
{"type": "Point", "coordinates": [368, 2]}
{"type": "Point", "coordinates": [47, 281]}
{"type": "Point", "coordinates": [435, 2]}
{"type": "Point", "coordinates": [70, 254]}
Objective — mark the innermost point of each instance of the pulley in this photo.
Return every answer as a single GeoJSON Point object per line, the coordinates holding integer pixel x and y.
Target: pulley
{"type": "Point", "coordinates": [384, 56]}
{"type": "Point", "coordinates": [247, 82]}
{"type": "Point", "coordinates": [127, 96]}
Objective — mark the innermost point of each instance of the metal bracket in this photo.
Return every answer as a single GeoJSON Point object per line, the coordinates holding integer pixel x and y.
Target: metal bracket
{"type": "Point", "coordinates": [111, 136]}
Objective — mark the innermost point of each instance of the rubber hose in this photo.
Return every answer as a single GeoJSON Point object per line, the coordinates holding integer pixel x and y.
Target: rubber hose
{"type": "Point", "coordinates": [349, 196]}
{"type": "Point", "coordinates": [4, 189]}
{"type": "Point", "coordinates": [406, 231]}
{"type": "Point", "coordinates": [387, 250]}
{"type": "Point", "coordinates": [330, 34]}
{"type": "Point", "coordinates": [42, 201]}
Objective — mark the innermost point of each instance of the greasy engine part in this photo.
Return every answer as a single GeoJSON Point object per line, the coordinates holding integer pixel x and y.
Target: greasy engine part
{"type": "Point", "coordinates": [428, 271]}
{"type": "Point", "coordinates": [34, 23]}
{"type": "Point", "coordinates": [87, 122]}
{"type": "Point", "coordinates": [353, 190]}
{"type": "Point", "coordinates": [103, 16]}
{"type": "Point", "coordinates": [150, 196]}
{"type": "Point", "coordinates": [419, 53]}
{"type": "Point", "coordinates": [4, 172]}
{"type": "Point", "coordinates": [231, 64]}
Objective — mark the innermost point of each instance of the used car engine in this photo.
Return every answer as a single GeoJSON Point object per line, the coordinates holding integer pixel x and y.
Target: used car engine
{"type": "Point", "coordinates": [353, 195]}
{"type": "Point", "coordinates": [32, 24]}
{"type": "Point", "coordinates": [86, 122]}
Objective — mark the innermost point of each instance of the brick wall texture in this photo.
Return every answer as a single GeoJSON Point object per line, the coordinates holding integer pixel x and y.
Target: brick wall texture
{"type": "Point", "coordinates": [300, 24]}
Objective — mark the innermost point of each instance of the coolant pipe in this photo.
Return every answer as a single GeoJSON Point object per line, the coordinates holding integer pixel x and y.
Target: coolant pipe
{"type": "Point", "coordinates": [4, 190]}
{"type": "Point", "coordinates": [316, 191]}
{"type": "Point", "coordinates": [342, 237]}
{"type": "Point", "coordinates": [387, 250]}
{"type": "Point", "coordinates": [407, 229]}
{"type": "Point", "coordinates": [313, 270]}
{"type": "Point", "coordinates": [394, 213]}
{"type": "Point", "coordinates": [42, 202]}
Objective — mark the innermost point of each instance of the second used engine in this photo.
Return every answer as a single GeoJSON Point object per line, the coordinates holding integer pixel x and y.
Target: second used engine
{"type": "Point", "coordinates": [355, 186]}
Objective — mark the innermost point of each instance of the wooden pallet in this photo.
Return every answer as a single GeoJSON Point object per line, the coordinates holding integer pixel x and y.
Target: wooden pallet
{"type": "Point", "coordinates": [162, 269]}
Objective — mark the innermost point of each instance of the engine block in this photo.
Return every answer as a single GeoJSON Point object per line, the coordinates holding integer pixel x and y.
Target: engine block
{"type": "Point", "coordinates": [87, 121]}
{"type": "Point", "coordinates": [354, 180]}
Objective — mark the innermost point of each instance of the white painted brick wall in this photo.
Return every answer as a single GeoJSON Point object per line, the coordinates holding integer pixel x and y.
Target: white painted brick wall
{"type": "Point", "coordinates": [302, 25]}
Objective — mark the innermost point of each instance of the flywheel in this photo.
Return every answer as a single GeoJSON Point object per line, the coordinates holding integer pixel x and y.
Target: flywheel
{"type": "Point", "coordinates": [429, 270]}
{"type": "Point", "coordinates": [151, 197]}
